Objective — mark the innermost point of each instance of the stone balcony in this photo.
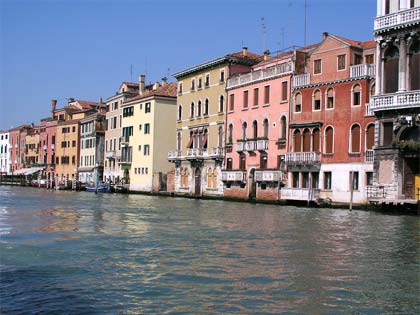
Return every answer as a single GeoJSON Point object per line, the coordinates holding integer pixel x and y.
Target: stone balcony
{"type": "Point", "coordinates": [301, 80]}
{"type": "Point", "coordinates": [262, 144]}
{"type": "Point", "coordinates": [260, 75]}
{"type": "Point", "coordinates": [110, 154]}
{"type": "Point", "coordinates": [300, 194]}
{"type": "Point", "coordinates": [268, 176]}
{"type": "Point", "coordinates": [362, 70]}
{"type": "Point", "coordinates": [233, 176]}
{"type": "Point", "coordinates": [250, 145]}
{"type": "Point", "coordinates": [240, 146]}
{"type": "Point", "coordinates": [174, 155]}
{"type": "Point", "coordinates": [400, 100]}
{"type": "Point", "coordinates": [303, 158]}
{"type": "Point", "coordinates": [397, 19]}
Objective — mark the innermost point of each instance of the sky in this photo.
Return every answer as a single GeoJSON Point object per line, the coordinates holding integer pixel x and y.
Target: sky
{"type": "Point", "coordinates": [84, 49]}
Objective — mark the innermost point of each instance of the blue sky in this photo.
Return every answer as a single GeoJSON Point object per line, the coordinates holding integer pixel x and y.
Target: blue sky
{"type": "Point", "coordinates": [58, 49]}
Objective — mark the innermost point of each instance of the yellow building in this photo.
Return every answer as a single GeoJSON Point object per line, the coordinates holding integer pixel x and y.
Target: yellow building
{"type": "Point", "coordinates": [200, 126]}
{"type": "Point", "coordinates": [148, 121]}
{"type": "Point", "coordinates": [32, 147]}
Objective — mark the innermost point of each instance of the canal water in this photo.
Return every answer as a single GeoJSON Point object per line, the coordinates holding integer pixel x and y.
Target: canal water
{"type": "Point", "coordinates": [79, 253]}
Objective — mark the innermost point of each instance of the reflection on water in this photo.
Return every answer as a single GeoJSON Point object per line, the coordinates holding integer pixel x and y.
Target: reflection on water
{"type": "Point", "coordinates": [80, 253]}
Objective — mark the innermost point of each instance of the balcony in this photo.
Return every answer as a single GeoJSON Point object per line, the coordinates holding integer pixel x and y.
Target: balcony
{"type": "Point", "coordinates": [174, 155]}
{"type": "Point", "coordinates": [303, 158]}
{"type": "Point", "coordinates": [301, 194]}
{"type": "Point", "coordinates": [233, 176]}
{"type": "Point", "coordinates": [262, 144]}
{"type": "Point", "coordinates": [196, 153]}
{"type": "Point", "coordinates": [240, 146]}
{"type": "Point", "coordinates": [110, 154]}
{"type": "Point", "coordinates": [369, 156]}
{"type": "Point", "coordinates": [362, 70]}
{"type": "Point", "coordinates": [125, 160]}
{"type": "Point", "coordinates": [260, 75]}
{"type": "Point", "coordinates": [125, 140]}
{"type": "Point", "coordinates": [218, 152]}
{"type": "Point", "coordinates": [268, 176]}
{"type": "Point", "coordinates": [399, 100]}
{"type": "Point", "coordinates": [397, 19]}
{"type": "Point", "coordinates": [250, 145]}
{"type": "Point", "coordinates": [301, 80]}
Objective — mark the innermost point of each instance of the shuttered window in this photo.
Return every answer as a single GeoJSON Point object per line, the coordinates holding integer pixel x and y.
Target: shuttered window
{"type": "Point", "coordinates": [329, 138]}
{"type": "Point", "coordinates": [355, 138]}
{"type": "Point", "coordinates": [306, 141]}
{"type": "Point", "coordinates": [370, 136]}
{"type": "Point", "coordinates": [316, 138]}
{"type": "Point", "coordinates": [297, 141]}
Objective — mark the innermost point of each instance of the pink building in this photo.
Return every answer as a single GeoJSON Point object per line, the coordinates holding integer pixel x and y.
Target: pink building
{"type": "Point", "coordinates": [256, 141]}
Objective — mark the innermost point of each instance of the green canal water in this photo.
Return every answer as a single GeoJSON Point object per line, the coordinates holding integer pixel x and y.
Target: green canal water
{"type": "Point", "coordinates": [79, 253]}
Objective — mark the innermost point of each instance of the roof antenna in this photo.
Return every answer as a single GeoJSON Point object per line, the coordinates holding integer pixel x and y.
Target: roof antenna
{"type": "Point", "coordinates": [264, 34]}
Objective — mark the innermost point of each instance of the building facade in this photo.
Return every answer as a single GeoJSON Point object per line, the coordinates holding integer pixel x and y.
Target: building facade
{"type": "Point", "coordinates": [17, 138]}
{"type": "Point", "coordinates": [200, 124]}
{"type": "Point", "coordinates": [330, 152]}
{"type": "Point", "coordinates": [147, 123]}
{"type": "Point", "coordinates": [113, 132]}
{"type": "Point", "coordinates": [396, 104]}
{"type": "Point", "coordinates": [32, 147]}
{"type": "Point", "coordinates": [5, 150]}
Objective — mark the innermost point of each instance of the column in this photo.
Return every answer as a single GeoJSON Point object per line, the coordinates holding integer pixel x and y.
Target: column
{"type": "Point", "coordinates": [402, 69]}
{"type": "Point", "coordinates": [378, 74]}
{"type": "Point", "coordinates": [379, 7]}
{"type": "Point", "coordinates": [403, 4]}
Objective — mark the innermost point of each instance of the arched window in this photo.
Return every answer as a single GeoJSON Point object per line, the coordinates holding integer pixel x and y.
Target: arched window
{"type": "Point", "coordinates": [306, 137]}
{"type": "Point", "coordinates": [254, 129]}
{"type": "Point", "coordinates": [372, 91]}
{"type": "Point", "coordinates": [297, 141]}
{"type": "Point", "coordinates": [330, 98]}
{"type": "Point", "coordinates": [317, 100]}
{"type": "Point", "coordinates": [221, 104]}
{"type": "Point", "coordinates": [244, 126]}
{"type": "Point", "coordinates": [414, 65]}
{"type": "Point", "coordinates": [283, 127]}
{"type": "Point", "coordinates": [206, 107]}
{"type": "Point", "coordinates": [192, 110]}
{"type": "Point", "coordinates": [355, 139]}
{"type": "Point", "coordinates": [391, 64]}
{"type": "Point", "coordinates": [199, 109]}
{"type": "Point", "coordinates": [370, 136]}
{"type": "Point", "coordinates": [179, 112]}
{"type": "Point", "coordinates": [1, 149]}
{"type": "Point", "coordinates": [329, 140]}
{"type": "Point", "coordinates": [316, 140]}
{"type": "Point", "coordinates": [178, 141]}
{"type": "Point", "coordinates": [230, 134]}
{"type": "Point", "coordinates": [265, 128]}
{"type": "Point", "coordinates": [220, 138]}
{"type": "Point", "coordinates": [356, 95]}
{"type": "Point", "coordinates": [298, 102]}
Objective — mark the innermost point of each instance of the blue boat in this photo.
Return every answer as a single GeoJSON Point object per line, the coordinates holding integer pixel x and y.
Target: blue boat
{"type": "Point", "coordinates": [102, 187]}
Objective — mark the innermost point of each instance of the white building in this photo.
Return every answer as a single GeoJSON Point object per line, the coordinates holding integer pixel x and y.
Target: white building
{"type": "Point", "coordinates": [4, 152]}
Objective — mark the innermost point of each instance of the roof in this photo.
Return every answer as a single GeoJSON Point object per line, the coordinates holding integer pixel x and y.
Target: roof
{"type": "Point", "coordinates": [167, 90]}
{"type": "Point", "coordinates": [354, 43]}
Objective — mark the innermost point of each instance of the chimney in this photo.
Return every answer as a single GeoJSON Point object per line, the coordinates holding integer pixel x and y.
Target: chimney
{"type": "Point", "coordinates": [155, 85]}
{"type": "Point", "coordinates": [53, 106]}
{"type": "Point", "coordinates": [142, 84]}
{"type": "Point", "coordinates": [100, 100]}
{"type": "Point", "coordinates": [71, 99]}
{"type": "Point", "coordinates": [266, 55]}
{"type": "Point", "coordinates": [245, 51]}
{"type": "Point", "coordinates": [324, 35]}
{"type": "Point", "coordinates": [164, 80]}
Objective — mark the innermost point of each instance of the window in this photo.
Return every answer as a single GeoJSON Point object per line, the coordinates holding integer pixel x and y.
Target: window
{"type": "Point", "coordinates": [295, 179]}
{"type": "Point", "coordinates": [316, 136]}
{"type": "Point", "coordinates": [178, 141]}
{"type": "Point", "coordinates": [147, 107]}
{"type": "Point", "coordinates": [73, 143]}
{"type": "Point", "coordinates": [298, 103]}
{"type": "Point", "coordinates": [200, 83]}
{"type": "Point", "coordinates": [221, 104]}
{"type": "Point", "coordinates": [387, 133]}
{"type": "Point", "coordinates": [306, 140]}
{"type": "Point", "coordinates": [317, 100]}
{"type": "Point", "coordinates": [354, 180]}
{"type": "Point", "coordinates": [369, 178]}
{"type": "Point", "coordinates": [179, 112]}
{"type": "Point", "coordinates": [330, 98]}
{"type": "Point", "coordinates": [370, 136]}
{"type": "Point", "coordinates": [74, 129]}
{"type": "Point", "coordinates": [139, 148]}
{"type": "Point", "coordinates": [317, 66]}
{"type": "Point", "coordinates": [222, 76]}
{"type": "Point", "coordinates": [329, 139]}
{"type": "Point", "coordinates": [192, 110]}
{"type": "Point", "coordinates": [220, 138]}
{"type": "Point", "coordinates": [244, 126]}
{"type": "Point", "coordinates": [283, 127]}
{"type": "Point", "coordinates": [242, 161]}
{"type": "Point", "coordinates": [267, 94]}
{"type": "Point", "coordinates": [206, 107]}
{"type": "Point", "coordinates": [355, 139]}
{"type": "Point", "coordinates": [207, 81]}
{"type": "Point", "coordinates": [229, 163]}
{"type": "Point", "coordinates": [284, 91]}
{"type": "Point", "coordinates": [231, 101]}
{"type": "Point", "coordinates": [146, 128]}
{"type": "Point", "coordinates": [245, 102]}
{"type": "Point", "coordinates": [263, 160]}
{"type": "Point", "coordinates": [265, 128]}
{"type": "Point", "coordinates": [192, 84]}
{"type": "Point", "coordinates": [254, 129]}
{"type": "Point", "coordinates": [357, 59]}
{"type": "Point", "coordinates": [180, 88]}
{"type": "Point", "coordinates": [327, 180]}
{"type": "Point", "coordinates": [369, 59]}
{"type": "Point", "coordinates": [256, 92]}
{"type": "Point", "coordinates": [146, 149]}
{"type": "Point", "coordinates": [128, 111]}
{"type": "Point", "coordinates": [73, 160]}
{"type": "Point", "coordinates": [230, 134]}
{"type": "Point", "coordinates": [341, 62]}
{"type": "Point", "coordinates": [297, 141]}
{"type": "Point", "coordinates": [356, 95]}
{"type": "Point", "coordinates": [199, 109]}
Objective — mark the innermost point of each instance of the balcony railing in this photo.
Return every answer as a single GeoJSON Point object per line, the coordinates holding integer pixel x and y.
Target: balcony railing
{"type": "Point", "coordinates": [395, 101]}
{"type": "Point", "coordinates": [369, 156]}
{"type": "Point", "coordinates": [240, 146]}
{"type": "Point", "coordinates": [260, 75]}
{"type": "Point", "coordinates": [381, 192]}
{"type": "Point", "coordinates": [396, 19]}
{"type": "Point", "coordinates": [125, 140]}
{"type": "Point", "coordinates": [303, 158]}
{"type": "Point", "coordinates": [250, 145]}
{"type": "Point", "coordinates": [301, 80]}
{"type": "Point", "coordinates": [268, 176]}
{"type": "Point", "coordinates": [302, 194]}
{"type": "Point", "coordinates": [218, 152]}
{"type": "Point", "coordinates": [262, 145]}
{"type": "Point", "coordinates": [196, 152]}
{"type": "Point", "coordinates": [110, 154]}
{"type": "Point", "coordinates": [362, 70]}
{"type": "Point", "coordinates": [233, 176]}
{"type": "Point", "coordinates": [368, 112]}
{"type": "Point", "coordinates": [174, 154]}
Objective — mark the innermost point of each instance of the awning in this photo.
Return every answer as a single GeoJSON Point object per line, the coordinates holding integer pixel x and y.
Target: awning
{"type": "Point", "coordinates": [85, 169]}
{"type": "Point", "coordinates": [28, 171]}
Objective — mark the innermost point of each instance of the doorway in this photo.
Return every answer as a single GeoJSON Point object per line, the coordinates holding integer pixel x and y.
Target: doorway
{"type": "Point", "coordinates": [197, 182]}
{"type": "Point", "coordinates": [252, 184]}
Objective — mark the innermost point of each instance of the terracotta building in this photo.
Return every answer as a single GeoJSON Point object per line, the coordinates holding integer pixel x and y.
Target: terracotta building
{"type": "Point", "coordinates": [17, 138]}
{"type": "Point", "coordinates": [330, 152]}
{"type": "Point", "coordinates": [396, 104]}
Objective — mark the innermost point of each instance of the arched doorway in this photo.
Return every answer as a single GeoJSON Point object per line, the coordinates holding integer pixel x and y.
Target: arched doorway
{"type": "Point", "coordinates": [197, 182]}
{"type": "Point", "coordinates": [409, 142]}
{"type": "Point", "coordinates": [252, 184]}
